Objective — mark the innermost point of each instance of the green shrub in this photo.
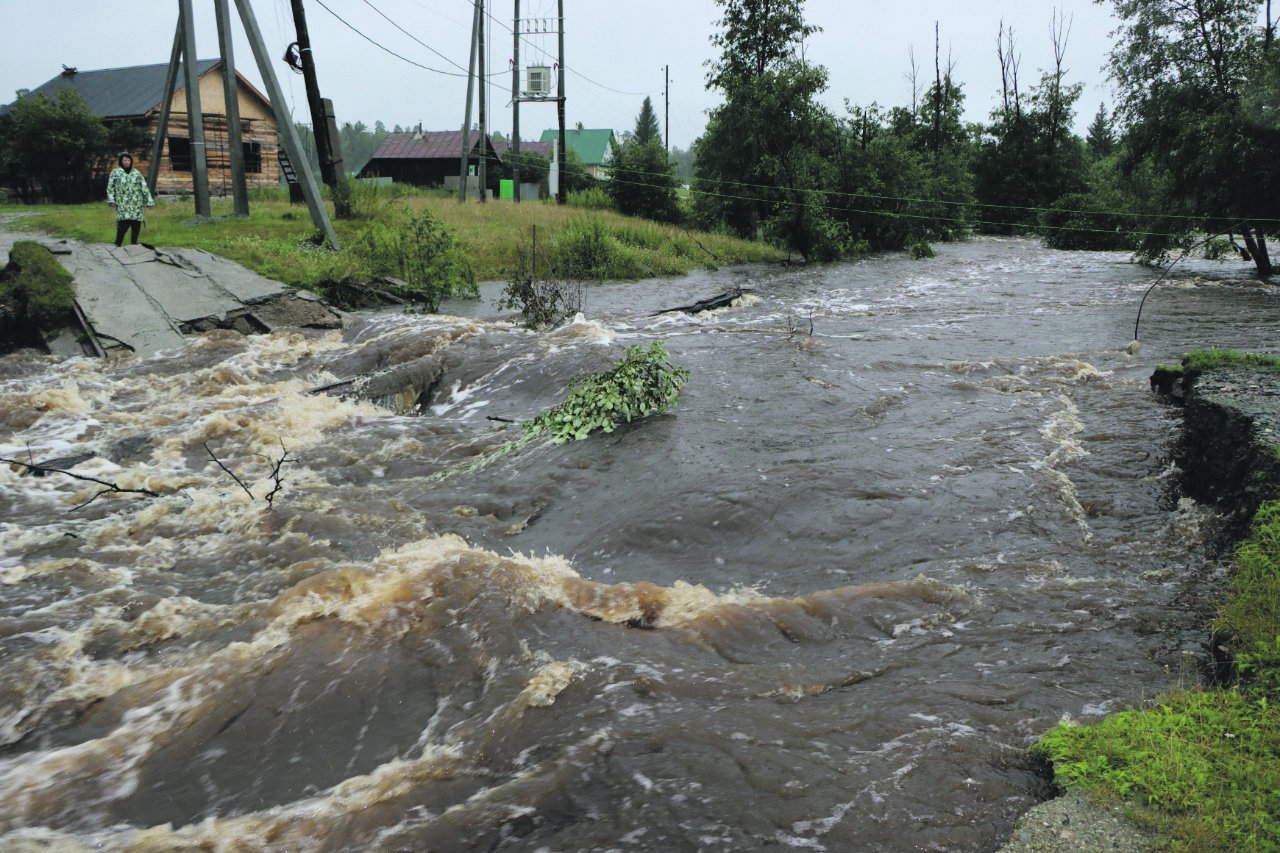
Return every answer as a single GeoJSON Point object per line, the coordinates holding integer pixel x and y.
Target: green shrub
{"type": "Point", "coordinates": [590, 199]}
{"type": "Point", "coordinates": [542, 298]}
{"type": "Point", "coordinates": [642, 384]}
{"type": "Point", "coordinates": [587, 251]}
{"type": "Point", "coordinates": [38, 283]}
{"type": "Point", "coordinates": [418, 249]}
{"type": "Point", "coordinates": [921, 250]}
{"type": "Point", "coordinates": [1082, 221]}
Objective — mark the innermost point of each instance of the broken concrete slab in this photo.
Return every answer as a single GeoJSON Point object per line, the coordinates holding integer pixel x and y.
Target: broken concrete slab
{"type": "Point", "coordinates": [146, 298]}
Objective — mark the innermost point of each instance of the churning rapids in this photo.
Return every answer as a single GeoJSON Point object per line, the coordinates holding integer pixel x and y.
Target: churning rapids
{"type": "Point", "coordinates": [824, 605]}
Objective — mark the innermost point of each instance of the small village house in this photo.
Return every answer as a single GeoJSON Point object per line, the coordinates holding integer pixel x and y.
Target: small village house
{"type": "Point", "coordinates": [134, 95]}
{"type": "Point", "coordinates": [594, 147]}
{"type": "Point", "coordinates": [430, 158]}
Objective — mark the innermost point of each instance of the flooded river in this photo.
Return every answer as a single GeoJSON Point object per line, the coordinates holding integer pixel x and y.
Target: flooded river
{"type": "Point", "coordinates": [823, 605]}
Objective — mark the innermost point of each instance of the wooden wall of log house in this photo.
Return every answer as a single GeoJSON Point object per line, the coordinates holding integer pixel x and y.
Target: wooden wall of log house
{"type": "Point", "coordinates": [257, 128]}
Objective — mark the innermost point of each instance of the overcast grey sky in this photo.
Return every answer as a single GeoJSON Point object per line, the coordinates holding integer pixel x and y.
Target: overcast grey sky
{"type": "Point", "coordinates": [615, 53]}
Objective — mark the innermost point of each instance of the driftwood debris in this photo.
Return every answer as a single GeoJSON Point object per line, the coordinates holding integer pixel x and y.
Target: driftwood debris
{"type": "Point", "coordinates": [720, 301]}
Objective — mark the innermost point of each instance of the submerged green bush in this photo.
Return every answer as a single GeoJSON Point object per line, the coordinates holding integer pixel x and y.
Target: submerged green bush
{"type": "Point", "coordinates": [921, 250]}
{"type": "Point", "coordinates": [38, 283]}
{"type": "Point", "coordinates": [642, 384]}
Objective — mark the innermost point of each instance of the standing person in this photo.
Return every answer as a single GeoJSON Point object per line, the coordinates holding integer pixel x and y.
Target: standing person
{"type": "Point", "coordinates": [127, 192]}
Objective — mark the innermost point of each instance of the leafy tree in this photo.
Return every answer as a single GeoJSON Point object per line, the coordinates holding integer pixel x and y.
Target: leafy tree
{"type": "Point", "coordinates": [647, 129]}
{"type": "Point", "coordinates": [1199, 95]}
{"type": "Point", "coordinates": [1101, 137]}
{"type": "Point", "coordinates": [59, 148]}
{"type": "Point", "coordinates": [765, 156]}
{"type": "Point", "coordinates": [534, 168]}
{"type": "Point", "coordinates": [683, 161]}
{"type": "Point", "coordinates": [642, 182]}
{"type": "Point", "coordinates": [1028, 157]}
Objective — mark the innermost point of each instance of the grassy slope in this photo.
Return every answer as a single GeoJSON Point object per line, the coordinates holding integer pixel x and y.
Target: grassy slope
{"type": "Point", "coordinates": [269, 241]}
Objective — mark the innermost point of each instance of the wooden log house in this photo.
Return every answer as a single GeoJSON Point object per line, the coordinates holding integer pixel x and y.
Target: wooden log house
{"type": "Point", "coordinates": [135, 94]}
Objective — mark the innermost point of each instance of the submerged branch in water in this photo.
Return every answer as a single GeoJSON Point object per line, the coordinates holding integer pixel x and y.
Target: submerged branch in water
{"type": "Point", "coordinates": [111, 488]}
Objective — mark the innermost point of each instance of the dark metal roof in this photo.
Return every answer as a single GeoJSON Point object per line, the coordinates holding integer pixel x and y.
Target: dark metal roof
{"type": "Point", "coordinates": [120, 92]}
{"type": "Point", "coordinates": [429, 145]}
{"type": "Point", "coordinates": [527, 146]}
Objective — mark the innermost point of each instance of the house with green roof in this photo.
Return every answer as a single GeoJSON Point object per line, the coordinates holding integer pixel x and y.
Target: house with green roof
{"type": "Point", "coordinates": [594, 146]}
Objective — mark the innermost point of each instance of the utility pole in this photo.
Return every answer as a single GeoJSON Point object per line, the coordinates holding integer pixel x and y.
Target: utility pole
{"type": "Point", "coordinates": [231, 95]}
{"type": "Point", "coordinates": [562, 195]}
{"type": "Point", "coordinates": [288, 133]}
{"type": "Point", "coordinates": [319, 123]}
{"type": "Point", "coordinates": [466, 121]}
{"type": "Point", "coordinates": [515, 108]}
{"type": "Point", "coordinates": [666, 107]}
{"type": "Point", "coordinates": [483, 83]}
{"type": "Point", "coordinates": [195, 120]}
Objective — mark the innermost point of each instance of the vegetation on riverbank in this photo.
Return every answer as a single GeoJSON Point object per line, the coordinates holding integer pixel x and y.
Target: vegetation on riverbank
{"type": "Point", "coordinates": [35, 287]}
{"type": "Point", "coordinates": [274, 240]}
{"type": "Point", "coordinates": [1203, 766]}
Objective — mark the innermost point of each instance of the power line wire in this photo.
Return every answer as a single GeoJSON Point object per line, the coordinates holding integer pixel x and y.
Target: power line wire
{"type": "Point", "coordinates": [411, 35]}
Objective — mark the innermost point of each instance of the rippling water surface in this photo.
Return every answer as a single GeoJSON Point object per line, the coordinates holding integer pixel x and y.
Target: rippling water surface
{"type": "Point", "coordinates": [823, 605]}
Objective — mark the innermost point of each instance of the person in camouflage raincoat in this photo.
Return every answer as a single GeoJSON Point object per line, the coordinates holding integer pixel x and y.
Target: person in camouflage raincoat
{"type": "Point", "coordinates": [127, 192]}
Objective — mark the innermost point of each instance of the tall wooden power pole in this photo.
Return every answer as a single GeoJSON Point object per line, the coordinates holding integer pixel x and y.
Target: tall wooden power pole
{"type": "Point", "coordinates": [231, 95]}
{"type": "Point", "coordinates": [515, 108]}
{"type": "Point", "coordinates": [482, 81]}
{"type": "Point", "coordinates": [666, 106]}
{"type": "Point", "coordinates": [466, 120]}
{"type": "Point", "coordinates": [195, 120]}
{"type": "Point", "coordinates": [562, 195]}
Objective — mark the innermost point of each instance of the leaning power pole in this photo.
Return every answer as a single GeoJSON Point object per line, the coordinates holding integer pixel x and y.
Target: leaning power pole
{"type": "Point", "coordinates": [184, 54]}
{"type": "Point", "coordinates": [326, 141]}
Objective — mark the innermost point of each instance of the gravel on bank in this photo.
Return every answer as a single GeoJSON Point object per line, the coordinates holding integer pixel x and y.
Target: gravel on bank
{"type": "Point", "coordinates": [1075, 823]}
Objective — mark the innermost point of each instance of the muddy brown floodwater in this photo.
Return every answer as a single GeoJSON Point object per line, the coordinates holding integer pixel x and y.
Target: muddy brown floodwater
{"type": "Point", "coordinates": [824, 605]}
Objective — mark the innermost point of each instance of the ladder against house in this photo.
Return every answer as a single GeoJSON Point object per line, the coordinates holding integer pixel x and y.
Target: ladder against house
{"type": "Point", "coordinates": [291, 177]}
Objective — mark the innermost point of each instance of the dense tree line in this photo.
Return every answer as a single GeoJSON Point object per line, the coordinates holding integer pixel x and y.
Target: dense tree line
{"type": "Point", "coordinates": [1193, 149]}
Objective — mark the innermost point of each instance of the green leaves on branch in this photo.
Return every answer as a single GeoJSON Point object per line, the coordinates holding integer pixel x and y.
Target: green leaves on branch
{"type": "Point", "coordinates": [642, 384]}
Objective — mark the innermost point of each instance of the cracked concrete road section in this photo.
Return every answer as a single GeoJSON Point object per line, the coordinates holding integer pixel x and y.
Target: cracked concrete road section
{"type": "Point", "coordinates": [148, 299]}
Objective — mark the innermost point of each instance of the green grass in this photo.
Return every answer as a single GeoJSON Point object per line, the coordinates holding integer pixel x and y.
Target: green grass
{"type": "Point", "coordinates": [39, 284]}
{"type": "Point", "coordinates": [271, 241]}
{"type": "Point", "coordinates": [1202, 767]}
{"type": "Point", "coordinates": [1218, 359]}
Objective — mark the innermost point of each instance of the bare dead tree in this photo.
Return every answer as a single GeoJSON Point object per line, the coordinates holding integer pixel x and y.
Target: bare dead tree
{"type": "Point", "coordinates": [913, 77]}
{"type": "Point", "coordinates": [1059, 37]}
{"type": "Point", "coordinates": [230, 473]}
{"type": "Point", "coordinates": [1006, 52]}
{"type": "Point", "coordinates": [109, 487]}
{"type": "Point", "coordinates": [276, 465]}
{"type": "Point", "coordinates": [277, 480]}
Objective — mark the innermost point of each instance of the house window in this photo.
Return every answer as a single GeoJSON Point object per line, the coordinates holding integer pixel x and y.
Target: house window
{"type": "Point", "coordinates": [252, 157]}
{"type": "Point", "coordinates": [179, 153]}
